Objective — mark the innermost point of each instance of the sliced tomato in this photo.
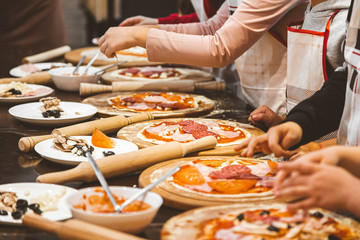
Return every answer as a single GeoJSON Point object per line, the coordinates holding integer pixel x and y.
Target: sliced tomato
{"type": "Point", "coordinates": [99, 139]}
{"type": "Point", "coordinates": [232, 186]}
{"type": "Point", "coordinates": [273, 166]}
{"type": "Point", "coordinates": [188, 175]}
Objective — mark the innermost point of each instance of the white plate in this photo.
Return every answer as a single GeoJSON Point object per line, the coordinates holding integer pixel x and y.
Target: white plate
{"type": "Point", "coordinates": [17, 72]}
{"type": "Point", "coordinates": [28, 191]}
{"type": "Point", "coordinates": [47, 91]}
{"type": "Point", "coordinates": [74, 112]}
{"type": "Point", "coordinates": [47, 150]}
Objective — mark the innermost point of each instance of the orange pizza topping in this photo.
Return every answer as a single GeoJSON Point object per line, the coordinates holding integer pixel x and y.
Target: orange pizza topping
{"type": "Point", "coordinates": [100, 203]}
{"type": "Point", "coordinates": [232, 186]}
{"type": "Point", "coordinates": [151, 101]}
{"type": "Point", "coordinates": [99, 139]}
{"type": "Point", "coordinates": [188, 175]}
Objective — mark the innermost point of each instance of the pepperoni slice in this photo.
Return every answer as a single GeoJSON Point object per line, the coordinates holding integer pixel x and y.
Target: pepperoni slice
{"type": "Point", "coordinates": [132, 99]}
{"type": "Point", "coordinates": [195, 127]}
{"type": "Point", "coordinates": [232, 186]}
{"type": "Point", "coordinates": [133, 71]}
{"type": "Point", "coordinates": [186, 122]}
{"type": "Point", "coordinates": [232, 171]}
{"type": "Point", "coordinates": [188, 175]}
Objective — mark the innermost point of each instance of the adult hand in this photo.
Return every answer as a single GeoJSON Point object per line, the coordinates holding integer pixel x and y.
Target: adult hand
{"type": "Point", "coordinates": [318, 185]}
{"type": "Point", "coordinates": [118, 38]}
{"type": "Point", "coordinates": [139, 20]}
{"type": "Point", "coordinates": [277, 140]}
{"type": "Point", "coordinates": [264, 117]}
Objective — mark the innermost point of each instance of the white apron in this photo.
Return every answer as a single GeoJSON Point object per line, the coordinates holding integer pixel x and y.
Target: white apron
{"type": "Point", "coordinates": [262, 71]}
{"type": "Point", "coordinates": [349, 131]}
{"type": "Point", "coordinates": [306, 66]}
{"type": "Point", "coordinates": [199, 9]}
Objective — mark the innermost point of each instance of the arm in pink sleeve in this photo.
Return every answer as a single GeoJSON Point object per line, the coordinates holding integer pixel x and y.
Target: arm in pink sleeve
{"type": "Point", "coordinates": [252, 19]}
{"type": "Point", "coordinates": [208, 27]}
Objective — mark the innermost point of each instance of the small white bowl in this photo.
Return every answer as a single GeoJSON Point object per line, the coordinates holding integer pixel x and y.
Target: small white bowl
{"type": "Point", "coordinates": [63, 80]}
{"type": "Point", "coordinates": [131, 222]}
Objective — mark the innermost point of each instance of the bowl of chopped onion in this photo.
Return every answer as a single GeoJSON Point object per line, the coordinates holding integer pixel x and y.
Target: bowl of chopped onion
{"type": "Point", "coordinates": [93, 205]}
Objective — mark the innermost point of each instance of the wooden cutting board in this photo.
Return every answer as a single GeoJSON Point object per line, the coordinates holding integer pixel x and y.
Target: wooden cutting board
{"type": "Point", "coordinates": [186, 199]}
{"type": "Point", "coordinates": [75, 56]}
{"type": "Point", "coordinates": [189, 74]}
{"type": "Point", "coordinates": [130, 132]}
{"type": "Point", "coordinates": [100, 101]}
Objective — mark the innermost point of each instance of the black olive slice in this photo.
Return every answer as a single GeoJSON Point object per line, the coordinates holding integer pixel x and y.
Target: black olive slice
{"type": "Point", "coordinates": [240, 217]}
{"type": "Point", "coordinates": [21, 204]}
{"type": "Point", "coordinates": [273, 228]}
{"type": "Point", "coordinates": [3, 212]}
{"type": "Point", "coordinates": [17, 214]}
{"type": "Point", "coordinates": [333, 237]}
{"type": "Point", "coordinates": [108, 153]}
{"type": "Point", "coordinates": [265, 212]}
{"type": "Point", "coordinates": [317, 215]}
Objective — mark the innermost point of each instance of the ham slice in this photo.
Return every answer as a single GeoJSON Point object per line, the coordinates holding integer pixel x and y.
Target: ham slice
{"type": "Point", "coordinates": [260, 169]}
{"type": "Point", "coordinates": [139, 106]}
{"type": "Point", "coordinates": [29, 68]}
{"type": "Point", "coordinates": [155, 130]}
{"type": "Point", "coordinates": [177, 136]}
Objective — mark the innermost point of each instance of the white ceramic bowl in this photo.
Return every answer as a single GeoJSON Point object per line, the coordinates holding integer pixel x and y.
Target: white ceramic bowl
{"type": "Point", "coordinates": [62, 79]}
{"type": "Point", "coordinates": [133, 222]}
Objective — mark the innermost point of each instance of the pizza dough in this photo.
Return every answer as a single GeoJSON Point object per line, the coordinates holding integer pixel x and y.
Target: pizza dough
{"type": "Point", "coordinates": [134, 57]}
{"type": "Point", "coordinates": [137, 133]}
{"type": "Point", "coordinates": [210, 180]}
{"type": "Point", "coordinates": [201, 105]}
{"type": "Point", "coordinates": [259, 222]}
{"type": "Point", "coordinates": [158, 73]}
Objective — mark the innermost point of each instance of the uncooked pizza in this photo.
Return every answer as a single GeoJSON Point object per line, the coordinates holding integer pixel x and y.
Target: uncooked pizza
{"type": "Point", "coordinates": [131, 54]}
{"type": "Point", "coordinates": [158, 73]}
{"type": "Point", "coordinates": [260, 222]}
{"type": "Point", "coordinates": [187, 130]}
{"type": "Point", "coordinates": [222, 177]}
{"type": "Point", "coordinates": [212, 180]}
{"type": "Point", "coordinates": [153, 101]}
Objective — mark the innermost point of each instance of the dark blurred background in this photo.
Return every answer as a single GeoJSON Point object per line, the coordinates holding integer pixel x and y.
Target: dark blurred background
{"type": "Point", "coordinates": [94, 17]}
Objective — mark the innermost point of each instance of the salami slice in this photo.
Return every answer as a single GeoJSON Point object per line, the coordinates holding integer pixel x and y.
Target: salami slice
{"type": "Point", "coordinates": [195, 127]}
{"type": "Point", "coordinates": [231, 171]}
{"type": "Point", "coordinates": [201, 134]}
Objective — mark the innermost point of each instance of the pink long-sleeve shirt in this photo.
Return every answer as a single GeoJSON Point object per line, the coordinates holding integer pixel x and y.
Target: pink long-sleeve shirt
{"type": "Point", "coordinates": [222, 39]}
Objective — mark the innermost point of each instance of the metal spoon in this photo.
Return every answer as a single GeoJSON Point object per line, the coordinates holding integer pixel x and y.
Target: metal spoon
{"type": "Point", "coordinates": [148, 188]}
{"type": "Point", "coordinates": [78, 65]}
{"type": "Point", "coordinates": [91, 62]}
{"type": "Point", "coordinates": [113, 65]}
{"type": "Point", "coordinates": [102, 181]}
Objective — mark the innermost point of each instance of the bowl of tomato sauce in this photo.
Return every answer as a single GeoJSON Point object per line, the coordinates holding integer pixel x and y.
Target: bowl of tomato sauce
{"type": "Point", "coordinates": [94, 206]}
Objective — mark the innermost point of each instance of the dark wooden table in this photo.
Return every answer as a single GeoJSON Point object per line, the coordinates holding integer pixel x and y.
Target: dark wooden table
{"type": "Point", "coordinates": [16, 166]}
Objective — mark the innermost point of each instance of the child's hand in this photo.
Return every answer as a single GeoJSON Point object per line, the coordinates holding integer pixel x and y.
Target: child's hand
{"type": "Point", "coordinates": [317, 185]}
{"type": "Point", "coordinates": [277, 140]}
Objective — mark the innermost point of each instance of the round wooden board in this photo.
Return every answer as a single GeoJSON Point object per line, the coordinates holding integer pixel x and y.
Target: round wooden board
{"type": "Point", "coordinates": [191, 74]}
{"type": "Point", "coordinates": [177, 198]}
{"type": "Point", "coordinates": [74, 57]}
{"type": "Point", "coordinates": [130, 132]}
{"type": "Point", "coordinates": [100, 101]}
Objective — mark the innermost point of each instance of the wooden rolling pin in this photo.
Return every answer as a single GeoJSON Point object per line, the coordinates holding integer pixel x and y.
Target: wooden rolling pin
{"type": "Point", "coordinates": [107, 125]}
{"type": "Point", "coordinates": [42, 78]}
{"type": "Point", "coordinates": [180, 85]}
{"type": "Point", "coordinates": [75, 229]}
{"type": "Point", "coordinates": [44, 56]}
{"type": "Point", "coordinates": [127, 162]}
